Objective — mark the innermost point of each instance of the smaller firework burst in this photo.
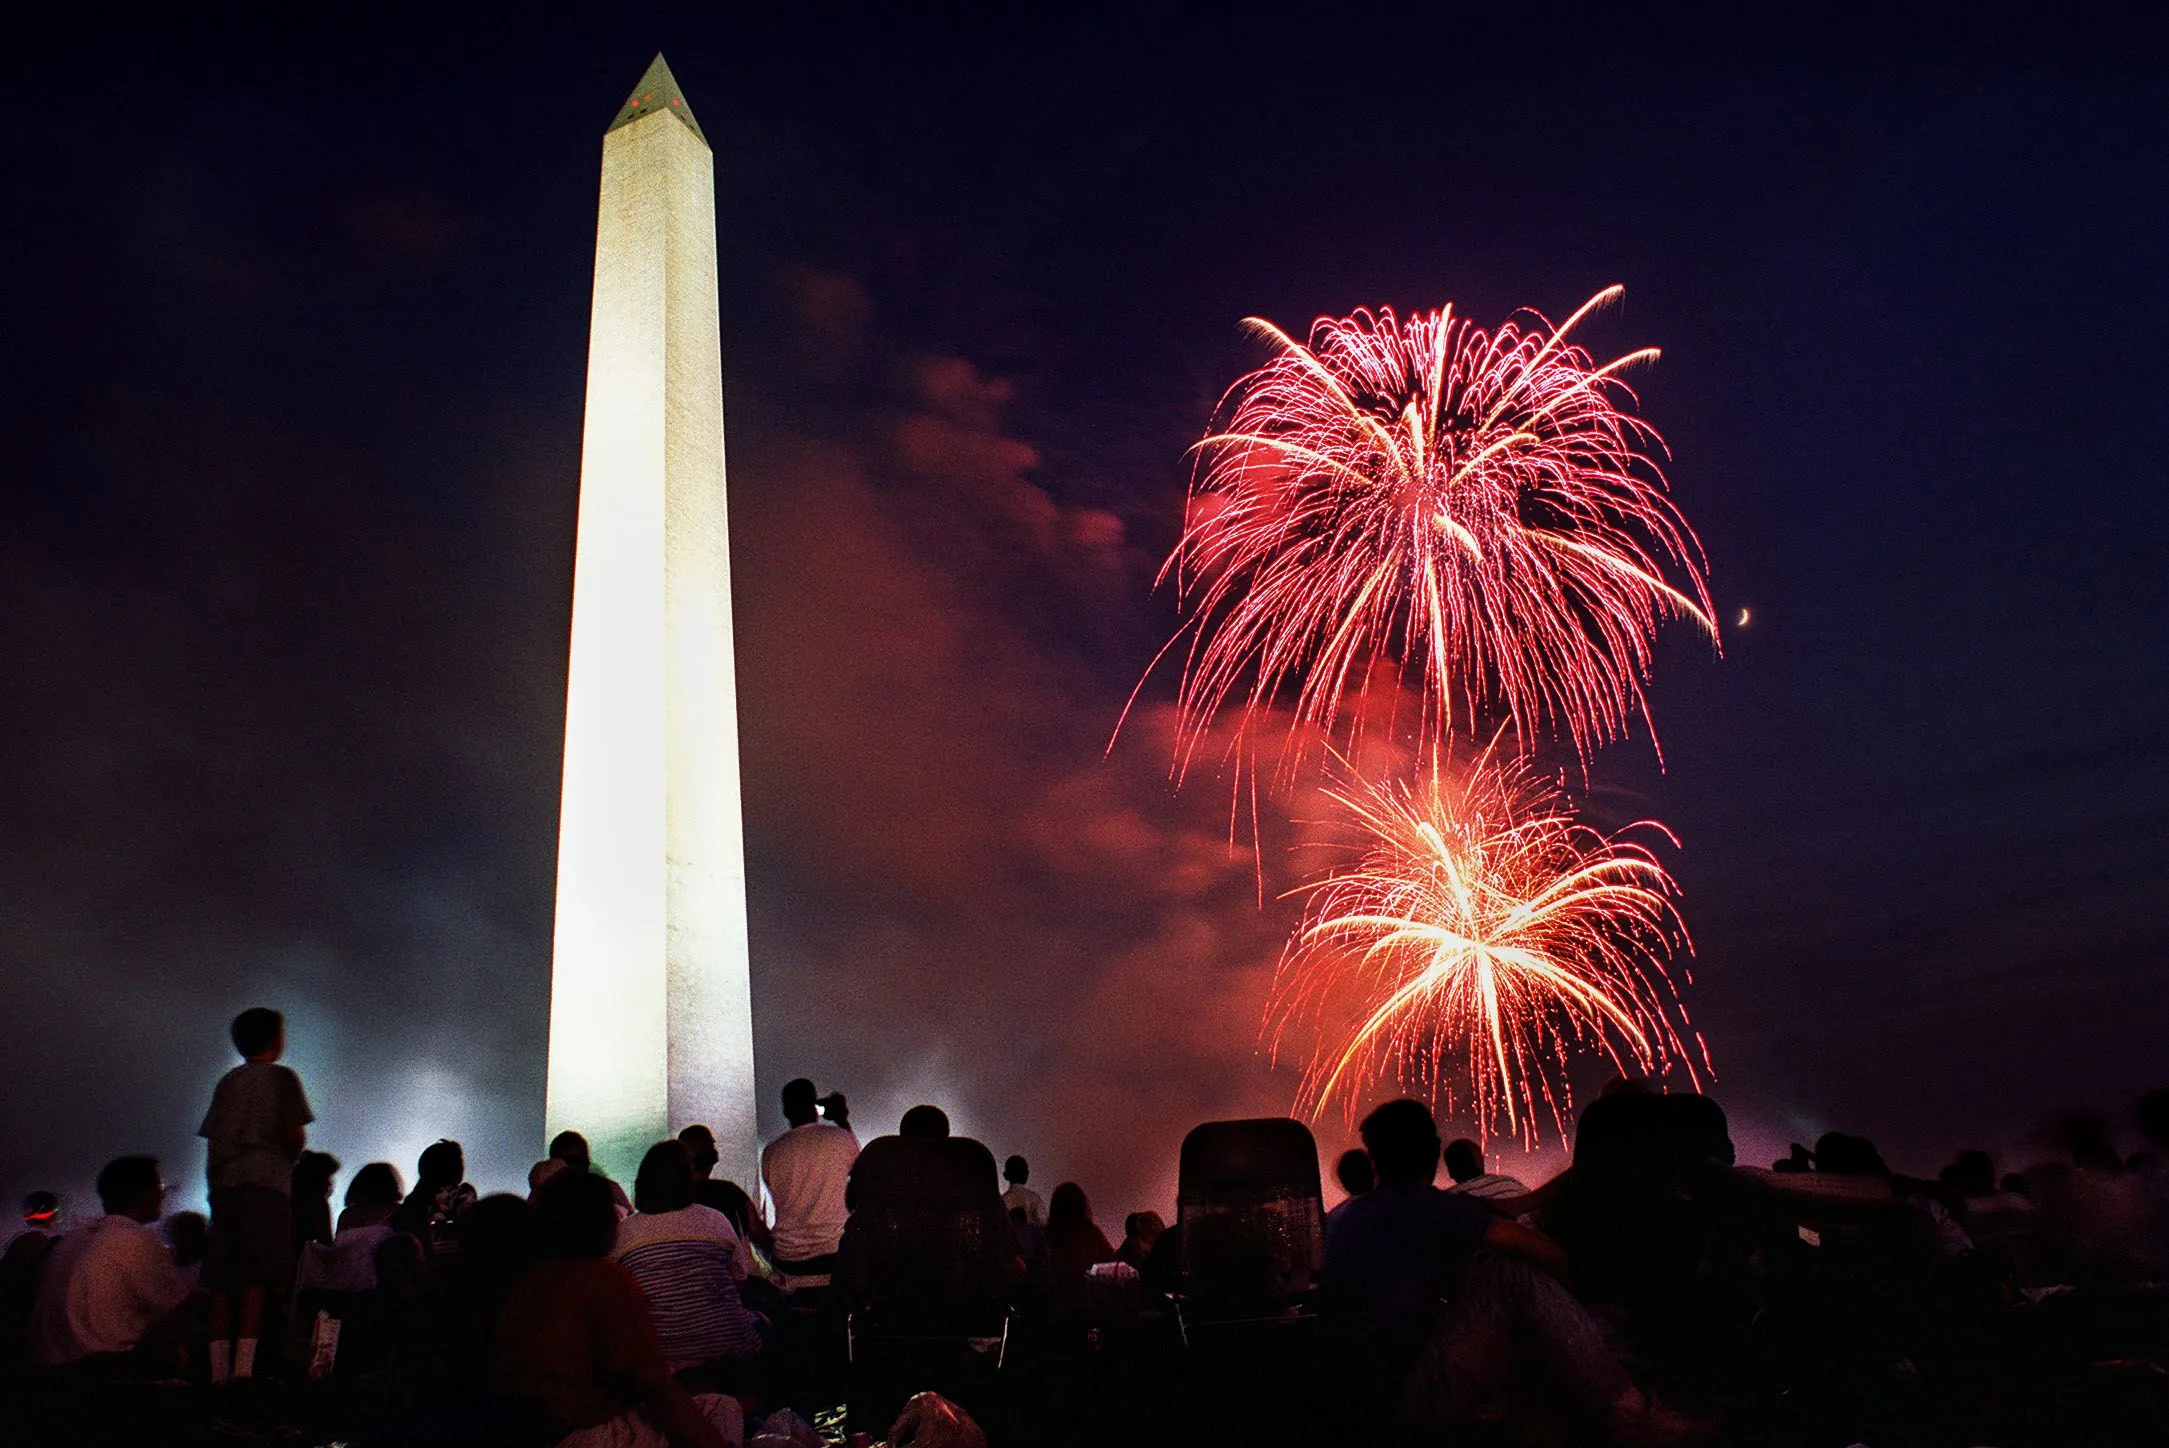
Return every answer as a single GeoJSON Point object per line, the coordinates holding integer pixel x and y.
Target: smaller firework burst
{"type": "Point", "coordinates": [1481, 939]}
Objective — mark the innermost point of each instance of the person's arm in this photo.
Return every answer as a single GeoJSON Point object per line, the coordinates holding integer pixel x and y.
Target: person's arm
{"type": "Point", "coordinates": [1526, 1243]}
{"type": "Point", "coordinates": [297, 1118]}
{"type": "Point", "coordinates": [153, 1282]}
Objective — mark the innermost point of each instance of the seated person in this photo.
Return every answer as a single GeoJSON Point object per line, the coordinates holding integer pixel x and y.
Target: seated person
{"type": "Point", "coordinates": [107, 1284]}
{"type": "Point", "coordinates": [806, 1171]}
{"type": "Point", "coordinates": [431, 1212]}
{"type": "Point", "coordinates": [724, 1195]}
{"type": "Point", "coordinates": [349, 1263]}
{"type": "Point", "coordinates": [1075, 1245]}
{"type": "Point", "coordinates": [577, 1341]}
{"type": "Point", "coordinates": [689, 1264]}
{"type": "Point", "coordinates": [1465, 1164]}
{"type": "Point", "coordinates": [570, 1148]}
{"type": "Point", "coordinates": [1140, 1232]}
{"type": "Point", "coordinates": [1435, 1304]}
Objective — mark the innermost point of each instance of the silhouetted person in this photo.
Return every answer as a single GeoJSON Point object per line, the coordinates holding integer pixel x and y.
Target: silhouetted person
{"type": "Point", "coordinates": [807, 1171]}
{"type": "Point", "coordinates": [441, 1195]}
{"type": "Point", "coordinates": [372, 1195]}
{"type": "Point", "coordinates": [41, 1216]}
{"type": "Point", "coordinates": [1141, 1232]}
{"type": "Point", "coordinates": [924, 1123]}
{"type": "Point", "coordinates": [108, 1283]}
{"type": "Point", "coordinates": [1465, 1164]}
{"type": "Point", "coordinates": [255, 1131]}
{"type": "Point", "coordinates": [1020, 1198]}
{"type": "Point", "coordinates": [1405, 1248]}
{"type": "Point", "coordinates": [1840, 1154]}
{"type": "Point", "coordinates": [723, 1195]}
{"type": "Point", "coordinates": [1075, 1245]}
{"type": "Point", "coordinates": [311, 1196]}
{"type": "Point", "coordinates": [349, 1263]}
{"type": "Point", "coordinates": [577, 1341]}
{"type": "Point", "coordinates": [690, 1264]}
{"type": "Point", "coordinates": [570, 1147]}
{"type": "Point", "coordinates": [22, 1266]}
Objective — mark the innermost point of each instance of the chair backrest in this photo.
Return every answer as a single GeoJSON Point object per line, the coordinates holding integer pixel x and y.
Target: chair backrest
{"type": "Point", "coordinates": [1250, 1210]}
{"type": "Point", "coordinates": [927, 1239]}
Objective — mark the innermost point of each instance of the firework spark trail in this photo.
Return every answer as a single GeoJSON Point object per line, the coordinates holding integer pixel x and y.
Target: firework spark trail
{"type": "Point", "coordinates": [1470, 505]}
{"type": "Point", "coordinates": [1482, 922]}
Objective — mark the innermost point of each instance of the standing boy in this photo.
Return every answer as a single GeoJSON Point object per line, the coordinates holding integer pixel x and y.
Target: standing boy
{"type": "Point", "coordinates": [256, 1129]}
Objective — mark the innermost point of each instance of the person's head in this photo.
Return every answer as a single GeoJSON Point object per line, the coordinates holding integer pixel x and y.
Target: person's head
{"type": "Point", "coordinates": [1464, 1160]}
{"type": "Point", "coordinates": [1068, 1207]}
{"type": "Point", "coordinates": [41, 1210]}
{"type": "Point", "coordinates": [259, 1034]}
{"type": "Point", "coordinates": [2084, 1136]}
{"type": "Point", "coordinates": [700, 1153]}
{"type": "Point", "coordinates": [1016, 1171]}
{"type": "Point", "coordinates": [575, 1216]}
{"type": "Point", "coordinates": [1842, 1155]}
{"type": "Point", "coordinates": [376, 1187]}
{"type": "Point", "coordinates": [570, 1147]}
{"type": "Point", "coordinates": [312, 1174]}
{"type": "Point", "coordinates": [496, 1242]}
{"type": "Point", "coordinates": [443, 1164]}
{"type": "Point", "coordinates": [801, 1104]}
{"type": "Point", "coordinates": [1973, 1173]}
{"type": "Point", "coordinates": [1402, 1138]}
{"type": "Point", "coordinates": [542, 1172]}
{"type": "Point", "coordinates": [1143, 1228]}
{"type": "Point", "coordinates": [130, 1186]}
{"type": "Point", "coordinates": [925, 1123]}
{"type": "Point", "coordinates": [665, 1180]}
{"type": "Point", "coordinates": [1354, 1172]}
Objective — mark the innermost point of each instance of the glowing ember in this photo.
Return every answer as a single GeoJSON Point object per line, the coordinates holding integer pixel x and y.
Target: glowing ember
{"type": "Point", "coordinates": [1483, 925]}
{"type": "Point", "coordinates": [1473, 506]}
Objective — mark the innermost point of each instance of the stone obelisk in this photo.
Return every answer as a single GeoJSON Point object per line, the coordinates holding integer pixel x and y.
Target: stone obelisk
{"type": "Point", "coordinates": [651, 1016]}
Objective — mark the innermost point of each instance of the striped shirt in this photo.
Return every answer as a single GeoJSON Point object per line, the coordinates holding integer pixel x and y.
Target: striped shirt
{"type": "Point", "coordinates": [1490, 1187]}
{"type": "Point", "coordinates": [687, 1264]}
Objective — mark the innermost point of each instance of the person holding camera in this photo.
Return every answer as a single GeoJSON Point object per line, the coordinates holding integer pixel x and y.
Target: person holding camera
{"type": "Point", "coordinates": [805, 1171]}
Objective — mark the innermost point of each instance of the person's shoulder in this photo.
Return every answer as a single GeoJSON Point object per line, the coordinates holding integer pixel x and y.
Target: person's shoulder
{"type": "Point", "coordinates": [709, 1222]}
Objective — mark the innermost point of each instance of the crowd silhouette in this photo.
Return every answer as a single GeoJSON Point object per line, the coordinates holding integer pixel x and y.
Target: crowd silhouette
{"type": "Point", "coordinates": [1654, 1291]}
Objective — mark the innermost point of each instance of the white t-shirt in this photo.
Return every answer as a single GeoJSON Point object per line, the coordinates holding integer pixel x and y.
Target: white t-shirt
{"type": "Point", "coordinates": [1035, 1210]}
{"type": "Point", "coordinates": [806, 1170]}
{"type": "Point", "coordinates": [105, 1284]}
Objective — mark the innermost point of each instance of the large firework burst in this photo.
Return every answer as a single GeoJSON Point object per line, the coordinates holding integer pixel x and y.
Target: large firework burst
{"type": "Point", "coordinates": [1474, 507]}
{"type": "Point", "coordinates": [1482, 927]}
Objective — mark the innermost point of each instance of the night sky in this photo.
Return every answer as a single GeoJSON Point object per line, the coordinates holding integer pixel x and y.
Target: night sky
{"type": "Point", "coordinates": [295, 327]}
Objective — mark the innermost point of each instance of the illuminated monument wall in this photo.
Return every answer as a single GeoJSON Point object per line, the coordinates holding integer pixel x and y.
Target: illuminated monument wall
{"type": "Point", "coordinates": [651, 1017]}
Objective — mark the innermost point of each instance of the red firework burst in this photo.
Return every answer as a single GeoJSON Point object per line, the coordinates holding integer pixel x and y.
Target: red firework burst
{"type": "Point", "coordinates": [1471, 506]}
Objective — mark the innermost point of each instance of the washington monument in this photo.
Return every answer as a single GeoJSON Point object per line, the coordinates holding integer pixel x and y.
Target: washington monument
{"type": "Point", "coordinates": [651, 1014]}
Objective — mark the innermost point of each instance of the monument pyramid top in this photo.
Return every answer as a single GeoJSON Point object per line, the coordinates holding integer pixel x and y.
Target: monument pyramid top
{"type": "Point", "coordinates": [657, 92]}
